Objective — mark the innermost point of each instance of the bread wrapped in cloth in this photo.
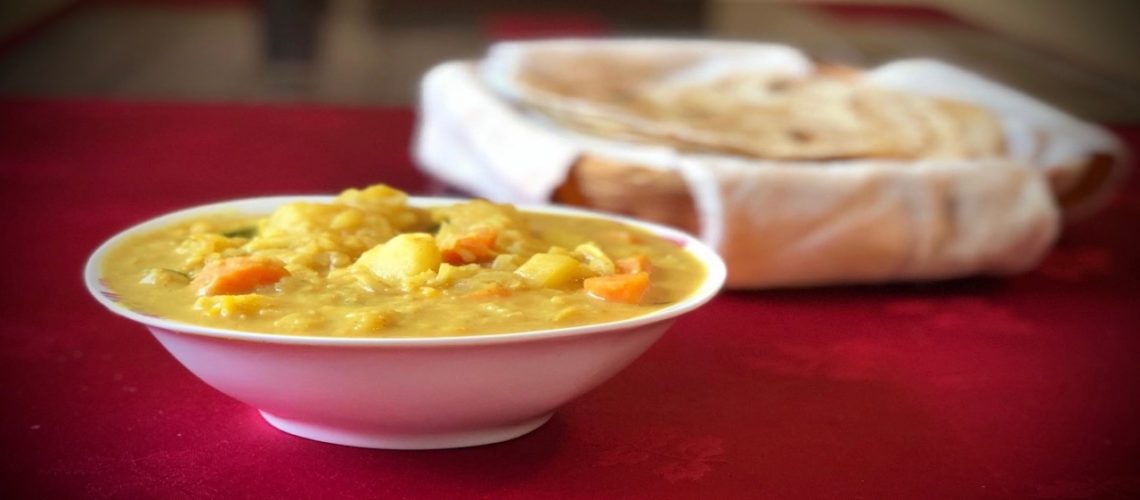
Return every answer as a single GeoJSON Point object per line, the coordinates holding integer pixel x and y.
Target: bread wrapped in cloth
{"type": "Point", "coordinates": [941, 209]}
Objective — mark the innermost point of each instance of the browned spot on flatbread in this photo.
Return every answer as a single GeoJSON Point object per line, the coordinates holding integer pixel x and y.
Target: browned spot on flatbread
{"type": "Point", "coordinates": [660, 196]}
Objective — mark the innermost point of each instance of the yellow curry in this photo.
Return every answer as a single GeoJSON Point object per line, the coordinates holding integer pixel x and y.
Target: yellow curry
{"type": "Point", "coordinates": [370, 265]}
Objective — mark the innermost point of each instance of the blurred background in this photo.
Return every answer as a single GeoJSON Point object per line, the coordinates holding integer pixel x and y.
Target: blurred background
{"type": "Point", "coordinates": [1079, 55]}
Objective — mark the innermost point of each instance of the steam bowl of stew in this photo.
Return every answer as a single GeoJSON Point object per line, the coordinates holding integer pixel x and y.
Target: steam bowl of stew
{"type": "Point", "coordinates": [379, 320]}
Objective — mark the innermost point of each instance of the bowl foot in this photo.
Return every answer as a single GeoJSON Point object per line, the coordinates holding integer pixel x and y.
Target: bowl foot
{"type": "Point", "coordinates": [404, 441]}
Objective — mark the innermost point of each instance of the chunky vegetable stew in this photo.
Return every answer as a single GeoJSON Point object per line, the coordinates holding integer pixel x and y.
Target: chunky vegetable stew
{"type": "Point", "coordinates": [370, 264]}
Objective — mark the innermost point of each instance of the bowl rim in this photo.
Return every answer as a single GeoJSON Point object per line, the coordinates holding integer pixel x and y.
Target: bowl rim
{"type": "Point", "coordinates": [715, 275]}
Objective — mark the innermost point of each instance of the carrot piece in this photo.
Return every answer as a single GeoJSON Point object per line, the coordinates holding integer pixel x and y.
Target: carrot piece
{"type": "Point", "coordinates": [476, 246]}
{"type": "Point", "coordinates": [237, 275]}
{"type": "Point", "coordinates": [635, 264]}
{"type": "Point", "coordinates": [627, 288]}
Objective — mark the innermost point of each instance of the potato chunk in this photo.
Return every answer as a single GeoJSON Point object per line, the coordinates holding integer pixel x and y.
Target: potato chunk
{"type": "Point", "coordinates": [401, 257]}
{"type": "Point", "coordinates": [550, 270]}
{"type": "Point", "coordinates": [596, 259]}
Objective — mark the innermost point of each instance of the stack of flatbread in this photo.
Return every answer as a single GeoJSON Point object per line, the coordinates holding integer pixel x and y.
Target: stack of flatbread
{"type": "Point", "coordinates": [799, 173]}
{"type": "Point", "coordinates": [824, 115]}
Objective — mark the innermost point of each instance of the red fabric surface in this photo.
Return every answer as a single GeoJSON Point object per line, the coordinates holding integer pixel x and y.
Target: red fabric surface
{"type": "Point", "coordinates": [1005, 388]}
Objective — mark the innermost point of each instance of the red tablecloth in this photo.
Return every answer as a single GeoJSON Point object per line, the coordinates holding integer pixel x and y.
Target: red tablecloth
{"type": "Point", "coordinates": [1027, 386]}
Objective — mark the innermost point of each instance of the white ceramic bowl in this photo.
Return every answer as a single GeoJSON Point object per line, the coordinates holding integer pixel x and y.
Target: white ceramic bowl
{"type": "Point", "coordinates": [408, 393]}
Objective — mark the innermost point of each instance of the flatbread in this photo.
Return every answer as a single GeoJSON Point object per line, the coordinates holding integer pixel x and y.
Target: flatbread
{"type": "Point", "coordinates": [668, 99]}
